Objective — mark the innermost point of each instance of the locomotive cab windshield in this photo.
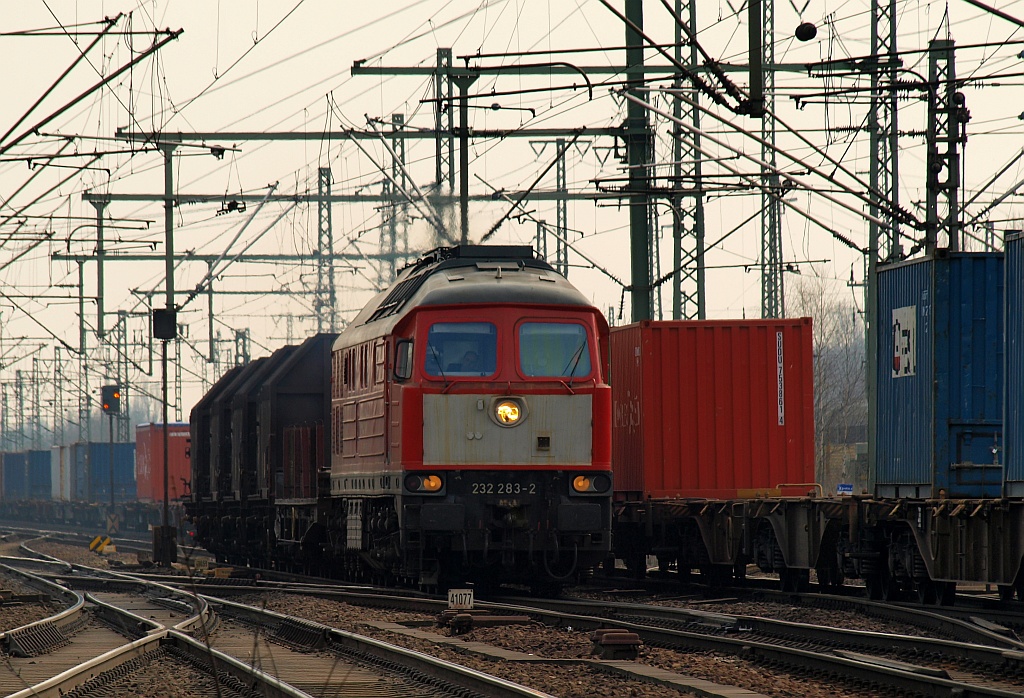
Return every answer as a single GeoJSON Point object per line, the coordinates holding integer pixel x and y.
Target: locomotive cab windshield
{"type": "Point", "coordinates": [552, 349]}
{"type": "Point", "coordinates": [461, 349]}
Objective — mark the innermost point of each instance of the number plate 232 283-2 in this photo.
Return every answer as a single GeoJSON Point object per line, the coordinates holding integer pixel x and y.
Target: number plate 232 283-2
{"type": "Point", "coordinates": [503, 488]}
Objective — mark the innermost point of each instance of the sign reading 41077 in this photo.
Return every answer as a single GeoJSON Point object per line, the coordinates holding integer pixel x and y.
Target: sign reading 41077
{"type": "Point", "coordinates": [904, 341]}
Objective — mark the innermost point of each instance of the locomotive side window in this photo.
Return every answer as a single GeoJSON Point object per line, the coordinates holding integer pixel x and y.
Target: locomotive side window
{"type": "Point", "coordinates": [403, 359]}
{"type": "Point", "coordinates": [554, 349]}
{"type": "Point", "coordinates": [461, 349]}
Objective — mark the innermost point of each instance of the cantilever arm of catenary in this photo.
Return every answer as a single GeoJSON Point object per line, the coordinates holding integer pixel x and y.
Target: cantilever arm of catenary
{"type": "Point", "coordinates": [213, 271]}
{"type": "Point", "coordinates": [768, 166]}
{"type": "Point", "coordinates": [431, 215]}
{"type": "Point", "coordinates": [754, 180]}
{"type": "Point", "coordinates": [895, 213]}
{"type": "Point", "coordinates": [547, 228]}
{"type": "Point", "coordinates": [739, 94]}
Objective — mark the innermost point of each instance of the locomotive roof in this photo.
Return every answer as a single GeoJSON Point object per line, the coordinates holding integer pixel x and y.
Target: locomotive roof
{"type": "Point", "coordinates": [472, 274]}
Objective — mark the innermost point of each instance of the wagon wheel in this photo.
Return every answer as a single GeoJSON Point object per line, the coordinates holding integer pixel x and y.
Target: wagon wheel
{"type": "Point", "coordinates": [715, 576]}
{"type": "Point", "coordinates": [830, 577]}
{"type": "Point", "coordinates": [890, 590]}
{"type": "Point", "coordinates": [795, 580]}
{"type": "Point", "coordinates": [546, 590]}
{"type": "Point", "coordinates": [636, 565]}
{"type": "Point", "coordinates": [876, 583]}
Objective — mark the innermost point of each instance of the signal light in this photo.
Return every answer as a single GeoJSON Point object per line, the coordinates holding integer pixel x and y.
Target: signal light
{"type": "Point", "coordinates": [110, 399]}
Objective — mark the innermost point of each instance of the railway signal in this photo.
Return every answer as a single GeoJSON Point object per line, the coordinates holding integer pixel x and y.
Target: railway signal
{"type": "Point", "coordinates": [110, 399]}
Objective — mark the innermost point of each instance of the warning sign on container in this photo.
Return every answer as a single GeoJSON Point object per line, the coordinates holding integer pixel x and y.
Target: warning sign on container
{"type": "Point", "coordinates": [904, 340]}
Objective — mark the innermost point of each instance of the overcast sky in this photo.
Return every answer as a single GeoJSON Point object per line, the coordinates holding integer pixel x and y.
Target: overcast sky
{"type": "Point", "coordinates": [286, 66]}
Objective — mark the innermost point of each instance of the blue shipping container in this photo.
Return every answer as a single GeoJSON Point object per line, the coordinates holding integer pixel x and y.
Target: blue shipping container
{"type": "Point", "coordinates": [38, 474]}
{"type": "Point", "coordinates": [940, 377]}
{"type": "Point", "coordinates": [91, 472]}
{"type": "Point", "coordinates": [15, 476]}
{"type": "Point", "coordinates": [1013, 436]}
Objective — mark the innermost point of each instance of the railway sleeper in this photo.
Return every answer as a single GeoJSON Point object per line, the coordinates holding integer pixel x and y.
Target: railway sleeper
{"type": "Point", "coordinates": [300, 635]}
{"type": "Point", "coordinates": [38, 639]}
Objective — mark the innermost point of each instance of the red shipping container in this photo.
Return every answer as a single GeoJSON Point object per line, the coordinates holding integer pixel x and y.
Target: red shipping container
{"type": "Point", "coordinates": [712, 409]}
{"type": "Point", "coordinates": [149, 459]}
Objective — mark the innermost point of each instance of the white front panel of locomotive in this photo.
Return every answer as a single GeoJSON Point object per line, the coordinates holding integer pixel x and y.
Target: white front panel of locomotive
{"type": "Point", "coordinates": [555, 430]}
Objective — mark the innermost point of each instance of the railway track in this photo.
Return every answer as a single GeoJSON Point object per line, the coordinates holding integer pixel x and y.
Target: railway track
{"type": "Point", "coordinates": [980, 658]}
{"type": "Point", "coordinates": [131, 627]}
{"type": "Point", "coordinates": [974, 660]}
{"type": "Point", "coordinates": [982, 664]}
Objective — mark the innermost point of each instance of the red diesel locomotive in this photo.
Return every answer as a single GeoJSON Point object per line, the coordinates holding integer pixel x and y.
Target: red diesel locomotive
{"type": "Point", "coordinates": [468, 436]}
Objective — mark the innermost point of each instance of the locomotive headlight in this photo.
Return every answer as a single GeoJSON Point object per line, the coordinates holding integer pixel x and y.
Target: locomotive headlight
{"type": "Point", "coordinates": [591, 484]}
{"type": "Point", "coordinates": [508, 412]}
{"type": "Point", "coordinates": [423, 483]}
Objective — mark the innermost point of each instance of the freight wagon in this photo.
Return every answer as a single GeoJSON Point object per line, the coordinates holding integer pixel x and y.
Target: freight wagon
{"type": "Point", "coordinates": [258, 448]}
{"type": "Point", "coordinates": [943, 509]}
{"type": "Point", "coordinates": [713, 446]}
{"type": "Point", "coordinates": [71, 486]}
{"type": "Point", "coordinates": [149, 461]}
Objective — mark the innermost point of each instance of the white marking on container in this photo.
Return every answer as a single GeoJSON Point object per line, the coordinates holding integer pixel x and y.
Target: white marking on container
{"type": "Point", "coordinates": [781, 378]}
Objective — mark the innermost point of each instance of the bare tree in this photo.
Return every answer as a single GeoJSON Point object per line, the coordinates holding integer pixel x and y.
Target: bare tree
{"type": "Point", "coordinates": [840, 401]}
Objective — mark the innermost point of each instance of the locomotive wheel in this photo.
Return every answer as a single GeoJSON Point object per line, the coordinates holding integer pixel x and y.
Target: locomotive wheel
{"type": "Point", "coordinates": [946, 593]}
{"type": "Point", "coordinates": [926, 592]}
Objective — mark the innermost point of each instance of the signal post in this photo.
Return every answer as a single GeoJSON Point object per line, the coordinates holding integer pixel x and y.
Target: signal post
{"type": "Point", "coordinates": [110, 400]}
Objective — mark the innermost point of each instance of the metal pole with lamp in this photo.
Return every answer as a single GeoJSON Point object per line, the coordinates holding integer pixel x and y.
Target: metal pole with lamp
{"type": "Point", "coordinates": [165, 328]}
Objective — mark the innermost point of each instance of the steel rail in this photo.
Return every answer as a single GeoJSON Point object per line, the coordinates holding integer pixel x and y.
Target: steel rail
{"type": "Point", "coordinates": [868, 670]}
{"type": "Point", "coordinates": [39, 634]}
{"type": "Point", "coordinates": [874, 671]}
{"type": "Point", "coordinates": [955, 622]}
{"type": "Point", "coordinates": [383, 652]}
